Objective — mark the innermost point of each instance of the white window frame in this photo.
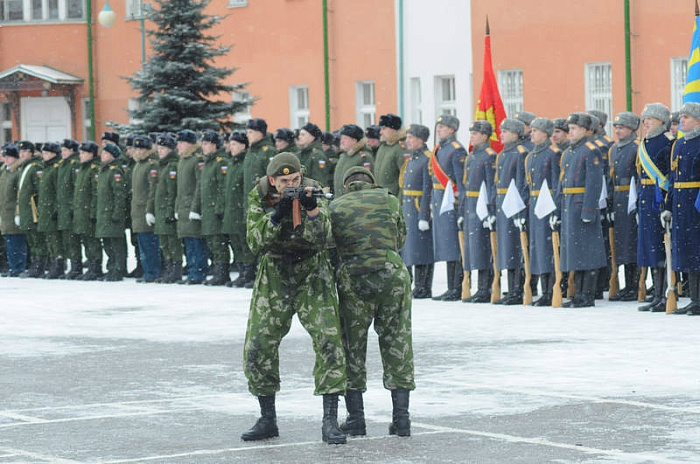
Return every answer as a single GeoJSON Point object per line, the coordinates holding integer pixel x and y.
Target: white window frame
{"type": "Point", "coordinates": [28, 11]}
{"type": "Point", "coordinates": [242, 96]}
{"type": "Point", "coordinates": [599, 85]}
{"type": "Point", "coordinates": [679, 74]}
{"type": "Point", "coordinates": [298, 106]}
{"type": "Point", "coordinates": [134, 104]}
{"type": "Point", "coordinates": [133, 9]}
{"type": "Point", "coordinates": [87, 123]}
{"type": "Point", "coordinates": [365, 103]}
{"type": "Point", "coordinates": [6, 124]}
{"type": "Point", "coordinates": [416, 101]}
{"type": "Point", "coordinates": [510, 84]}
{"type": "Point", "coordinates": [445, 95]}
{"type": "Point", "coordinates": [237, 3]}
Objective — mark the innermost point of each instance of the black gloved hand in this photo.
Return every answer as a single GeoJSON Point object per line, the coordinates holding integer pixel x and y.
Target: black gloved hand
{"type": "Point", "coordinates": [308, 202]}
{"type": "Point", "coordinates": [71, 214]}
{"type": "Point", "coordinates": [54, 216]}
{"type": "Point", "coordinates": [170, 220]}
{"type": "Point", "coordinates": [220, 216]}
{"type": "Point", "coordinates": [283, 208]}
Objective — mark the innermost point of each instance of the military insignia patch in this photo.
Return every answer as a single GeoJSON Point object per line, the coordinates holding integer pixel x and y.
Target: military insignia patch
{"type": "Point", "coordinates": [456, 144]}
{"type": "Point", "coordinates": [224, 169]}
{"type": "Point", "coordinates": [265, 148]}
{"type": "Point", "coordinates": [154, 173]}
{"type": "Point", "coordinates": [285, 171]}
{"type": "Point", "coordinates": [117, 177]}
{"type": "Point", "coordinates": [124, 166]}
{"type": "Point", "coordinates": [173, 174]}
{"type": "Point", "coordinates": [77, 171]}
{"type": "Point", "coordinates": [596, 161]}
{"type": "Point", "coordinates": [406, 155]}
{"type": "Point", "coordinates": [200, 165]}
{"type": "Point", "coordinates": [367, 165]}
{"type": "Point", "coordinates": [39, 173]}
{"type": "Point", "coordinates": [322, 164]}
{"type": "Point", "coordinates": [96, 177]}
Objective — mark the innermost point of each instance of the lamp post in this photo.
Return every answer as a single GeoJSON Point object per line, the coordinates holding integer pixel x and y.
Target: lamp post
{"type": "Point", "coordinates": [107, 17]}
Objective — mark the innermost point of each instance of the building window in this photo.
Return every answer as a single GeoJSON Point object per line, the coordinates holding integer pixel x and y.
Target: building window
{"type": "Point", "coordinates": [41, 10]}
{"type": "Point", "coordinates": [87, 123]}
{"type": "Point", "coordinates": [298, 106]}
{"type": "Point", "coordinates": [679, 73]}
{"type": "Point", "coordinates": [6, 122]}
{"type": "Point", "coordinates": [445, 95]}
{"type": "Point", "coordinates": [416, 101]}
{"type": "Point", "coordinates": [510, 83]}
{"type": "Point", "coordinates": [243, 115]}
{"type": "Point", "coordinates": [133, 9]}
{"type": "Point", "coordinates": [237, 3]}
{"type": "Point", "coordinates": [365, 105]}
{"type": "Point", "coordinates": [134, 105]}
{"type": "Point", "coordinates": [599, 89]}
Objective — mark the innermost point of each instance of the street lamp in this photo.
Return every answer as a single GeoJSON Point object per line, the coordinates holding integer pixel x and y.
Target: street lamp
{"type": "Point", "coordinates": [107, 17]}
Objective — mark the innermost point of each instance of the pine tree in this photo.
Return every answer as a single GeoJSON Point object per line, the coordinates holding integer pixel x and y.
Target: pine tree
{"type": "Point", "coordinates": [179, 87]}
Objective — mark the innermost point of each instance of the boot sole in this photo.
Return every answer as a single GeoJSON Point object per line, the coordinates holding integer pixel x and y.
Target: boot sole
{"type": "Point", "coordinates": [335, 441]}
{"type": "Point", "coordinates": [262, 437]}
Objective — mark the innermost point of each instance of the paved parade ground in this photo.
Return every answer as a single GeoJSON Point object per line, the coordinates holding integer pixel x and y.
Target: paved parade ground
{"type": "Point", "coordinates": [132, 373]}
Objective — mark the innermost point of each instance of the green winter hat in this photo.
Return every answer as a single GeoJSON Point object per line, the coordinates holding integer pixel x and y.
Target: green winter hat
{"type": "Point", "coordinates": [283, 164]}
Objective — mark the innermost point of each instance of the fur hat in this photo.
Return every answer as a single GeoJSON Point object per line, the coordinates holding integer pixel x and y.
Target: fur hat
{"type": "Point", "coordinates": [352, 131]}
{"type": "Point", "coordinates": [284, 134]}
{"type": "Point", "coordinates": [561, 124]}
{"type": "Point", "coordinates": [449, 121]}
{"type": "Point", "coordinates": [10, 150]}
{"type": "Point", "coordinates": [240, 137]}
{"type": "Point", "coordinates": [525, 117]}
{"type": "Point", "coordinates": [543, 124]}
{"type": "Point", "coordinates": [390, 120]}
{"type": "Point", "coordinates": [212, 136]}
{"type": "Point", "coordinates": [70, 144]}
{"type": "Point", "coordinates": [257, 124]}
{"type": "Point", "coordinates": [187, 135]}
{"type": "Point", "coordinates": [372, 132]}
{"type": "Point", "coordinates": [627, 119]}
{"type": "Point", "coordinates": [166, 140]}
{"type": "Point", "coordinates": [419, 131]}
{"type": "Point", "coordinates": [111, 137]}
{"type": "Point", "coordinates": [26, 145]}
{"type": "Point", "coordinates": [113, 149]}
{"type": "Point", "coordinates": [658, 111]}
{"type": "Point", "coordinates": [580, 119]}
{"type": "Point", "coordinates": [513, 125]}
{"type": "Point", "coordinates": [481, 126]}
{"type": "Point", "coordinates": [602, 117]}
{"type": "Point", "coordinates": [141, 141]}
{"type": "Point", "coordinates": [51, 147]}
{"type": "Point", "coordinates": [313, 129]}
{"type": "Point", "coordinates": [90, 147]}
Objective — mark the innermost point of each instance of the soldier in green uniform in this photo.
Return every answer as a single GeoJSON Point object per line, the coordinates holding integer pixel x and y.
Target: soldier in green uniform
{"type": "Point", "coordinates": [259, 154]}
{"type": "Point", "coordinates": [234, 212]}
{"type": "Point", "coordinates": [285, 140]}
{"type": "Point", "coordinates": [85, 209]}
{"type": "Point", "coordinates": [164, 192]}
{"type": "Point", "coordinates": [391, 155]}
{"type": "Point", "coordinates": [27, 209]}
{"type": "Point", "coordinates": [48, 209]}
{"type": "Point", "coordinates": [67, 167]}
{"type": "Point", "coordinates": [14, 237]}
{"type": "Point", "coordinates": [142, 217]}
{"type": "Point", "coordinates": [111, 212]}
{"type": "Point", "coordinates": [374, 286]}
{"type": "Point", "coordinates": [330, 150]}
{"type": "Point", "coordinates": [211, 188]}
{"type": "Point", "coordinates": [295, 276]}
{"type": "Point", "coordinates": [354, 153]}
{"type": "Point", "coordinates": [374, 138]}
{"type": "Point", "coordinates": [311, 155]}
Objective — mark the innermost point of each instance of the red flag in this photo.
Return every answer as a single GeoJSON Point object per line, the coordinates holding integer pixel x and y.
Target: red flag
{"type": "Point", "coordinates": [490, 106]}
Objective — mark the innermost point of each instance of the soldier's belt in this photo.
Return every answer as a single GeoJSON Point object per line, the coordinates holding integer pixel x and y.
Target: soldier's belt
{"type": "Point", "coordinates": [472, 193]}
{"type": "Point", "coordinates": [502, 191]}
{"type": "Point", "coordinates": [536, 193]}
{"type": "Point", "coordinates": [573, 190]}
{"type": "Point", "coordinates": [413, 193]}
{"type": "Point", "coordinates": [686, 185]}
{"type": "Point", "coordinates": [648, 182]}
{"type": "Point", "coordinates": [622, 188]}
{"type": "Point", "coordinates": [438, 186]}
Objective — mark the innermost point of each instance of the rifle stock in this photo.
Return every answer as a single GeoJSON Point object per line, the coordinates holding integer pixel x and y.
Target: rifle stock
{"type": "Point", "coordinates": [671, 303]}
{"type": "Point", "coordinates": [466, 280]}
{"type": "Point", "coordinates": [556, 292]}
{"type": "Point", "coordinates": [296, 213]}
{"type": "Point", "coordinates": [571, 285]}
{"type": "Point", "coordinates": [642, 292]}
{"type": "Point", "coordinates": [496, 285]}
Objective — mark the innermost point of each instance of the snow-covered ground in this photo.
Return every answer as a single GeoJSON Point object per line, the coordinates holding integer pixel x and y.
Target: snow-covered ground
{"type": "Point", "coordinates": [127, 372]}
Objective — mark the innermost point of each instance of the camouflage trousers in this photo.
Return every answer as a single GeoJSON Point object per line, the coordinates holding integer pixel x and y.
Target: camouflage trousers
{"type": "Point", "coordinates": [382, 297]}
{"type": "Point", "coordinates": [283, 288]}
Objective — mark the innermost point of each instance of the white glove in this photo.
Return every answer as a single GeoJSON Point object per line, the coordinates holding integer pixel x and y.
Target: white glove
{"type": "Point", "coordinates": [17, 221]}
{"type": "Point", "coordinates": [177, 216]}
{"type": "Point", "coordinates": [195, 216]}
{"type": "Point", "coordinates": [489, 222]}
{"type": "Point", "coordinates": [150, 219]}
{"type": "Point", "coordinates": [611, 216]}
{"type": "Point", "coordinates": [586, 221]}
{"type": "Point", "coordinates": [460, 222]}
{"type": "Point", "coordinates": [554, 222]}
{"type": "Point", "coordinates": [636, 217]}
{"type": "Point", "coordinates": [423, 225]}
{"type": "Point", "coordinates": [519, 223]}
{"type": "Point", "coordinates": [666, 216]}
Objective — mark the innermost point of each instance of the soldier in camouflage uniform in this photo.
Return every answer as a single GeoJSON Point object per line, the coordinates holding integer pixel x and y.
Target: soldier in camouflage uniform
{"type": "Point", "coordinates": [354, 153]}
{"type": "Point", "coordinates": [85, 209]}
{"type": "Point", "coordinates": [310, 154]}
{"type": "Point", "coordinates": [67, 168]}
{"type": "Point", "coordinates": [295, 276]}
{"type": "Point", "coordinates": [374, 286]}
{"type": "Point", "coordinates": [142, 217]}
{"type": "Point", "coordinates": [14, 238]}
{"type": "Point", "coordinates": [111, 212]}
{"type": "Point", "coordinates": [27, 204]}
{"type": "Point", "coordinates": [48, 210]}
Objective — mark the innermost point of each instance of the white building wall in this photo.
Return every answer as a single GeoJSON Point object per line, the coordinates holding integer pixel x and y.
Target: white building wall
{"type": "Point", "coordinates": [436, 42]}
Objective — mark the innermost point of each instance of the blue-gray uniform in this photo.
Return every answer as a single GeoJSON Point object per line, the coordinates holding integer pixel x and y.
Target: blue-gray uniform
{"type": "Point", "coordinates": [479, 169]}
{"type": "Point", "coordinates": [450, 158]}
{"type": "Point", "coordinates": [542, 163]}
{"type": "Point", "coordinates": [526, 143]}
{"type": "Point", "coordinates": [417, 187]}
{"type": "Point", "coordinates": [509, 165]}
{"type": "Point", "coordinates": [622, 159]}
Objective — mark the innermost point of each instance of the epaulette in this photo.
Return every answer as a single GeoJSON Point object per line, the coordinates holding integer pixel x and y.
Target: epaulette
{"type": "Point", "coordinates": [636, 142]}
{"type": "Point", "coordinates": [669, 136]}
{"type": "Point", "coordinates": [590, 145]}
{"type": "Point", "coordinates": [428, 153]}
{"type": "Point", "coordinates": [265, 148]}
{"type": "Point", "coordinates": [599, 143]}
{"type": "Point", "coordinates": [363, 154]}
{"type": "Point", "coordinates": [218, 159]}
{"type": "Point", "coordinates": [112, 167]}
{"type": "Point", "coordinates": [554, 148]}
{"type": "Point", "coordinates": [522, 149]}
{"type": "Point", "coordinates": [491, 151]}
{"type": "Point", "coordinates": [456, 144]}
{"type": "Point", "coordinates": [607, 139]}
{"type": "Point", "coordinates": [93, 166]}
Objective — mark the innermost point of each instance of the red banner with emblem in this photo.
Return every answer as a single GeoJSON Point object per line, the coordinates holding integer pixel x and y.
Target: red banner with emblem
{"type": "Point", "coordinates": [490, 106]}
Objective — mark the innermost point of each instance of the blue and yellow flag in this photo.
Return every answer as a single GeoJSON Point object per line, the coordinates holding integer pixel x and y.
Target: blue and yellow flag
{"type": "Point", "coordinates": [692, 81]}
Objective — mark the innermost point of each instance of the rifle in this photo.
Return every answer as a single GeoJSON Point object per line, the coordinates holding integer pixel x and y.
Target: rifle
{"type": "Point", "coordinates": [35, 211]}
{"type": "Point", "coordinates": [527, 296]}
{"type": "Point", "coordinates": [571, 285]}
{"type": "Point", "coordinates": [614, 279]}
{"type": "Point", "coordinates": [295, 193]}
{"type": "Point", "coordinates": [466, 280]}
{"type": "Point", "coordinates": [496, 285]}
{"type": "Point", "coordinates": [556, 291]}
{"type": "Point", "coordinates": [642, 292]}
{"type": "Point", "coordinates": [670, 275]}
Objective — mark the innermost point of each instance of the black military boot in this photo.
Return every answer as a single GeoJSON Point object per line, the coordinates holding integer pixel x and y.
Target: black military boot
{"type": "Point", "coordinates": [451, 269]}
{"type": "Point", "coordinates": [240, 280]}
{"type": "Point", "coordinates": [33, 270]}
{"type": "Point", "coordinates": [400, 421]}
{"type": "Point", "coordinates": [515, 293]}
{"type": "Point", "coordinates": [547, 288]}
{"type": "Point", "coordinates": [354, 424]}
{"type": "Point", "coordinates": [57, 269]}
{"type": "Point", "coordinates": [176, 273]}
{"type": "Point", "coordinates": [483, 289]}
{"type": "Point", "coordinates": [250, 274]}
{"type": "Point", "coordinates": [418, 281]}
{"type": "Point", "coordinates": [590, 287]}
{"type": "Point", "coordinates": [214, 272]}
{"type": "Point", "coordinates": [658, 303]}
{"type": "Point", "coordinates": [164, 277]}
{"type": "Point", "coordinates": [266, 426]}
{"type": "Point", "coordinates": [578, 283]}
{"type": "Point", "coordinates": [510, 276]}
{"type": "Point", "coordinates": [330, 433]}
{"type": "Point", "coordinates": [76, 269]}
{"type": "Point", "coordinates": [631, 283]}
{"type": "Point", "coordinates": [424, 283]}
{"type": "Point", "coordinates": [692, 308]}
{"type": "Point", "coordinates": [94, 271]}
{"type": "Point", "coordinates": [534, 279]}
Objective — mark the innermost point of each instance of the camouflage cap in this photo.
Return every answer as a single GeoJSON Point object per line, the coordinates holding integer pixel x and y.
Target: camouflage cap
{"type": "Point", "coordinates": [561, 124]}
{"type": "Point", "coordinates": [283, 164]}
{"type": "Point", "coordinates": [419, 131]}
{"type": "Point", "coordinates": [357, 170]}
{"type": "Point", "coordinates": [658, 111]}
{"type": "Point", "coordinates": [113, 149]}
{"type": "Point", "coordinates": [481, 126]}
{"type": "Point", "coordinates": [691, 109]}
{"type": "Point", "coordinates": [525, 117]}
{"type": "Point", "coordinates": [543, 124]}
{"type": "Point", "coordinates": [449, 121]}
{"type": "Point", "coordinates": [602, 117]}
{"type": "Point", "coordinates": [627, 119]}
{"type": "Point", "coordinates": [513, 125]}
{"type": "Point", "coordinates": [580, 119]}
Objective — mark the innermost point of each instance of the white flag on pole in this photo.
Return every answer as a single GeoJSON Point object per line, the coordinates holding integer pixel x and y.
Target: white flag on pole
{"type": "Point", "coordinates": [545, 203]}
{"type": "Point", "coordinates": [482, 210]}
{"type": "Point", "coordinates": [603, 200]}
{"type": "Point", "coordinates": [512, 203]}
{"type": "Point", "coordinates": [632, 200]}
{"type": "Point", "coordinates": [448, 199]}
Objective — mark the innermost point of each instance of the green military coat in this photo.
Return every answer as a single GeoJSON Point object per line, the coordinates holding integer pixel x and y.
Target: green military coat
{"type": "Point", "coordinates": [27, 196]}
{"type": "Point", "coordinates": [189, 170]}
{"type": "Point", "coordinates": [111, 201]}
{"type": "Point", "coordinates": [67, 169]}
{"type": "Point", "coordinates": [85, 198]}
{"type": "Point", "coordinates": [165, 194]}
{"type": "Point", "coordinates": [9, 181]}
{"type": "Point", "coordinates": [234, 197]}
{"type": "Point", "coordinates": [140, 184]}
{"type": "Point", "coordinates": [391, 157]}
{"type": "Point", "coordinates": [315, 162]}
{"type": "Point", "coordinates": [212, 192]}
{"type": "Point", "coordinates": [255, 163]}
{"type": "Point", "coordinates": [48, 210]}
{"type": "Point", "coordinates": [358, 155]}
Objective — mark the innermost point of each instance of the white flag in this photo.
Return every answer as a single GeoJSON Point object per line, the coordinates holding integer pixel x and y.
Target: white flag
{"type": "Point", "coordinates": [545, 203]}
{"type": "Point", "coordinates": [482, 210]}
{"type": "Point", "coordinates": [448, 199]}
{"type": "Point", "coordinates": [512, 203]}
{"type": "Point", "coordinates": [603, 200]}
{"type": "Point", "coordinates": [632, 200]}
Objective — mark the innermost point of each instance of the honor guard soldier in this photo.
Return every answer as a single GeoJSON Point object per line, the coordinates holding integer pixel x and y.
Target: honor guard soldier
{"type": "Point", "coordinates": [478, 170]}
{"type": "Point", "coordinates": [67, 171]}
{"type": "Point", "coordinates": [85, 209]}
{"type": "Point", "coordinates": [48, 209]}
{"type": "Point", "coordinates": [560, 134]}
{"type": "Point", "coordinates": [622, 159]}
{"type": "Point", "coordinates": [542, 163]}
{"type": "Point", "coordinates": [391, 155]}
{"type": "Point", "coordinates": [188, 206]}
{"type": "Point", "coordinates": [111, 212]}
{"type": "Point", "coordinates": [285, 140]}
{"type": "Point", "coordinates": [373, 136]}
{"type": "Point", "coordinates": [599, 129]}
{"type": "Point", "coordinates": [259, 153]}
{"type": "Point", "coordinates": [510, 165]}
{"type": "Point", "coordinates": [682, 207]}
{"type": "Point", "coordinates": [14, 237]}
{"type": "Point", "coordinates": [526, 118]}
{"type": "Point", "coordinates": [27, 206]}
{"type": "Point", "coordinates": [417, 188]}
{"type": "Point", "coordinates": [578, 194]}
{"type": "Point", "coordinates": [447, 170]}
{"type": "Point", "coordinates": [311, 155]}
{"type": "Point", "coordinates": [295, 276]}
{"type": "Point", "coordinates": [354, 152]}
{"type": "Point", "coordinates": [164, 195]}
{"type": "Point", "coordinates": [374, 287]}
{"type": "Point", "coordinates": [142, 214]}
{"type": "Point", "coordinates": [653, 172]}
{"type": "Point", "coordinates": [211, 187]}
